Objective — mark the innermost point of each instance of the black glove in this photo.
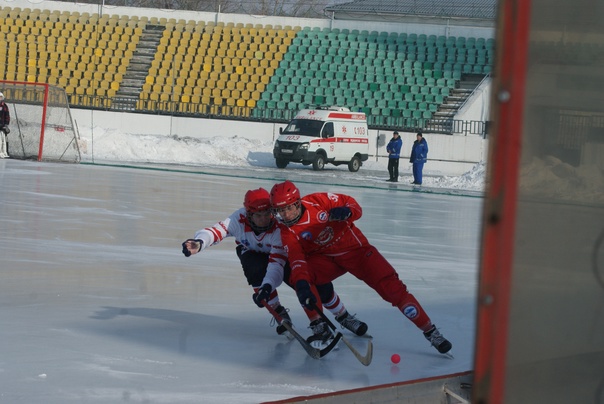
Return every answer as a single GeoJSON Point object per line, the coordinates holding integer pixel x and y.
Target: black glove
{"type": "Point", "coordinates": [263, 294]}
{"type": "Point", "coordinates": [341, 213]}
{"type": "Point", "coordinates": [6, 130]}
{"type": "Point", "coordinates": [305, 295]}
{"type": "Point", "coordinates": [186, 251]}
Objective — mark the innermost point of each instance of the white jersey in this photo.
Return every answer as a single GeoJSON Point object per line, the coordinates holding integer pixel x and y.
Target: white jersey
{"type": "Point", "coordinates": [268, 242]}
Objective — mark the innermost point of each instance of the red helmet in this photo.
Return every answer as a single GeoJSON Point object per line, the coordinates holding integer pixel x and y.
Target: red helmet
{"type": "Point", "coordinates": [257, 200]}
{"type": "Point", "coordinates": [283, 194]}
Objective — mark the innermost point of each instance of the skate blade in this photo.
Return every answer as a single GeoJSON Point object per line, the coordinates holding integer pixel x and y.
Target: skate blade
{"type": "Point", "coordinates": [322, 345]}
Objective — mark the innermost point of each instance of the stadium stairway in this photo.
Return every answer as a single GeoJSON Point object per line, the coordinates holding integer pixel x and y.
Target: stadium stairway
{"type": "Point", "coordinates": [458, 96]}
{"type": "Point", "coordinates": [127, 96]}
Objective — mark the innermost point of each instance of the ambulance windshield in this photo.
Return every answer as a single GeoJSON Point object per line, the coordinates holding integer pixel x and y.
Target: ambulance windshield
{"type": "Point", "coordinates": [304, 127]}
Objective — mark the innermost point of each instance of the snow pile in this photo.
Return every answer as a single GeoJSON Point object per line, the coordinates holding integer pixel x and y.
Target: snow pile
{"type": "Point", "coordinates": [552, 178]}
{"type": "Point", "coordinates": [114, 146]}
{"type": "Point", "coordinates": [472, 180]}
{"type": "Point", "coordinates": [237, 151]}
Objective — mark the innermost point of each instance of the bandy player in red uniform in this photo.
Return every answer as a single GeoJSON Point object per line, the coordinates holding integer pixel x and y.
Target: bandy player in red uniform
{"type": "Point", "coordinates": [323, 243]}
{"type": "Point", "coordinates": [264, 262]}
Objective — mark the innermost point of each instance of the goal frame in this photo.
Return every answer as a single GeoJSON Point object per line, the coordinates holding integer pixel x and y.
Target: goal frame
{"type": "Point", "coordinates": [43, 100]}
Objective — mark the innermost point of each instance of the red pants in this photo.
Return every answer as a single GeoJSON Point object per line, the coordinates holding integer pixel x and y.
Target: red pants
{"type": "Point", "coordinates": [367, 264]}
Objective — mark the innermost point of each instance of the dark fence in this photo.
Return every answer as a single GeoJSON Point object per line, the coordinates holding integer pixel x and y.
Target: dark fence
{"type": "Point", "coordinates": [427, 125]}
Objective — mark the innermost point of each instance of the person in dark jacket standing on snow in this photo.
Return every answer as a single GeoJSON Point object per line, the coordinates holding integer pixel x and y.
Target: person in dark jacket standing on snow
{"type": "Point", "coordinates": [419, 155]}
{"type": "Point", "coordinates": [4, 121]}
{"type": "Point", "coordinates": [394, 153]}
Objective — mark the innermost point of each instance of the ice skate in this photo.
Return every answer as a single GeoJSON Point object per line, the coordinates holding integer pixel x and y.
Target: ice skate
{"type": "Point", "coordinates": [351, 323]}
{"type": "Point", "coordinates": [282, 311]}
{"type": "Point", "coordinates": [439, 342]}
{"type": "Point", "coordinates": [321, 333]}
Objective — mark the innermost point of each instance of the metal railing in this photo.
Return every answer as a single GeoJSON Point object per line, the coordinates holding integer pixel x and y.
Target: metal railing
{"type": "Point", "coordinates": [381, 122]}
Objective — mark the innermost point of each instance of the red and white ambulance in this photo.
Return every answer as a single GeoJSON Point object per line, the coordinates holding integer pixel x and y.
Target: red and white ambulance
{"type": "Point", "coordinates": [332, 135]}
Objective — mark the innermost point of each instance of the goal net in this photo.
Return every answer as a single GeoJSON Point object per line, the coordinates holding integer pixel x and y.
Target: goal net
{"type": "Point", "coordinates": [41, 126]}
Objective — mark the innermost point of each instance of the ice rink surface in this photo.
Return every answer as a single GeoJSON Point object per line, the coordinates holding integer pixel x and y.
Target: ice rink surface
{"type": "Point", "coordinates": [98, 304]}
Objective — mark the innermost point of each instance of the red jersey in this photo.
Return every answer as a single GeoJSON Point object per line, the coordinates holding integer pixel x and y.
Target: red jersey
{"type": "Point", "coordinates": [315, 234]}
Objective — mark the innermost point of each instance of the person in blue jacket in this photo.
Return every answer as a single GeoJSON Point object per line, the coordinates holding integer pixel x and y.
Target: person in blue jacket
{"type": "Point", "coordinates": [394, 153]}
{"type": "Point", "coordinates": [419, 155]}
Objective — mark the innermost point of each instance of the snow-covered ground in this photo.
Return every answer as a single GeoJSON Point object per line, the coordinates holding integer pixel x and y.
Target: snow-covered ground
{"type": "Point", "coordinates": [236, 152]}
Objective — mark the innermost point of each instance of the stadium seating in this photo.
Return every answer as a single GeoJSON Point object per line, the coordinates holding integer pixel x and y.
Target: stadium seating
{"type": "Point", "coordinates": [239, 69]}
{"type": "Point", "coordinates": [76, 51]}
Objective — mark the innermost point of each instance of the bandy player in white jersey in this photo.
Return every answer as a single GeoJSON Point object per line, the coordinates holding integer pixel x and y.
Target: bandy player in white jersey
{"type": "Point", "coordinates": [264, 262]}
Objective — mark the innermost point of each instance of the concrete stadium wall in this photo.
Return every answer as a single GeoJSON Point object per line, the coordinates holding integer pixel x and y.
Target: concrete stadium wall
{"type": "Point", "coordinates": [449, 155]}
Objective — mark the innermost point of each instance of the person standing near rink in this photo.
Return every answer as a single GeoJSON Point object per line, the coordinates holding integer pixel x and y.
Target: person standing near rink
{"type": "Point", "coordinates": [419, 155]}
{"type": "Point", "coordinates": [264, 262]}
{"type": "Point", "coordinates": [323, 243]}
{"type": "Point", "coordinates": [394, 153]}
{"type": "Point", "coordinates": [4, 130]}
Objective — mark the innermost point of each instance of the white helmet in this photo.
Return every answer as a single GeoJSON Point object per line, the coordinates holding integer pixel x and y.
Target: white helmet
{"type": "Point", "coordinates": [1, 97]}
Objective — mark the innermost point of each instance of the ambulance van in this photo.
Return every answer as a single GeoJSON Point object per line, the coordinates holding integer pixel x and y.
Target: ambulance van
{"type": "Point", "coordinates": [319, 136]}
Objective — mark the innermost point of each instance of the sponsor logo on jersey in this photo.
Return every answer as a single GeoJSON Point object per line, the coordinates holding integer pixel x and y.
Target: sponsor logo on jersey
{"type": "Point", "coordinates": [322, 216]}
{"type": "Point", "coordinates": [410, 311]}
{"type": "Point", "coordinates": [325, 236]}
{"type": "Point", "coordinates": [332, 197]}
{"type": "Point", "coordinates": [306, 235]}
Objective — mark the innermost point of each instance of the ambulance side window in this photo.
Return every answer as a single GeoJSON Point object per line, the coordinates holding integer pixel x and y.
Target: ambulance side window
{"type": "Point", "coordinates": [328, 130]}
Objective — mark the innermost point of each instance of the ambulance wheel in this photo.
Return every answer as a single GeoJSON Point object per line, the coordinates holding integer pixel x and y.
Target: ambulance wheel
{"type": "Point", "coordinates": [318, 163]}
{"type": "Point", "coordinates": [281, 163]}
{"type": "Point", "coordinates": [354, 164]}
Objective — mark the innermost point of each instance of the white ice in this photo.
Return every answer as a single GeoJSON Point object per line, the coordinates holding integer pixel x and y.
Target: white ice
{"type": "Point", "coordinates": [98, 304]}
